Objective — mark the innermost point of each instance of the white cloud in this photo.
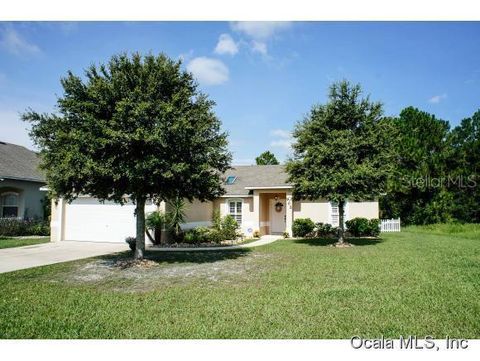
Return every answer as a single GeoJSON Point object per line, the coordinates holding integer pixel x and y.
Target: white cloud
{"type": "Point", "coordinates": [259, 47]}
{"type": "Point", "coordinates": [260, 30]}
{"type": "Point", "coordinates": [437, 98]}
{"type": "Point", "coordinates": [284, 139]}
{"type": "Point", "coordinates": [226, 45]}
{"type": "Point", "coordinates": [15, 44]}
{"type": "Point", "coordinates": [282, 143]}
{"type": "Point", "coordinates": [184, 57]}
{"type": "Point", "coordinates": [280, 133]}
{"type": "Point", "coordinates": [208, 71]}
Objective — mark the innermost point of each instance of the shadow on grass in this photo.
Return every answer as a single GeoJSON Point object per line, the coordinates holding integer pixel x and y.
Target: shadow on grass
{"type": "Point", "coordinates": [183, 256]}
{"type": "Point", "coordinates": [331, 241]}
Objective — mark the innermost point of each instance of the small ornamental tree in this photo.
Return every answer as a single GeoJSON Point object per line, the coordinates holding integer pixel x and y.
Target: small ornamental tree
{"type": "Point", "coordinates": [341, 150]}
{"type": "Point", "coordinates": [134, 127]}
{"type": "Point", "coordinates": [266, 158]}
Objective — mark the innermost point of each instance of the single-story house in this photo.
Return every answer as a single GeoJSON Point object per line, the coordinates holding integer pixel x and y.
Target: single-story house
{"type": "Point", "coordinates": [258, 197]}
{"type": "Point", "coordinates": [21, 182]}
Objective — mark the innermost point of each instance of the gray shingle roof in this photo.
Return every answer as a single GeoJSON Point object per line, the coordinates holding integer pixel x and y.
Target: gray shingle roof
{"type": "Point", "coordinates": [17, 162]}
{"type": "Point", "coordinates": [255, 176]}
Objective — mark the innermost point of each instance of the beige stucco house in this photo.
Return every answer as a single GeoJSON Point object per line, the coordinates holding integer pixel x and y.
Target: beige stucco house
{"type": "Point", "coordinates": [258, 197]}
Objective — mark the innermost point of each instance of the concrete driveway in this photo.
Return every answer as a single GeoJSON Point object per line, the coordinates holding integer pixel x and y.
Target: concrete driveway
{"type": "Point", "coordinates": [13, 259]}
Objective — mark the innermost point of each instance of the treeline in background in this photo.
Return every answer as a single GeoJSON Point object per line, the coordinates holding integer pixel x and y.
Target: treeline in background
{"type": "Point", "coordinates": [436, 170]}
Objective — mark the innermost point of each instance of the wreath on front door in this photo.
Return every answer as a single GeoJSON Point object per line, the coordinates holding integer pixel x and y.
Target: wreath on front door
{"type": "Point", "coordinates": [278, 206]}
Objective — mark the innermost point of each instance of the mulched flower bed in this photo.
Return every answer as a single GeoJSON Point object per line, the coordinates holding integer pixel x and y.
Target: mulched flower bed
{"type": "Point", "coordinates": [198, 245]}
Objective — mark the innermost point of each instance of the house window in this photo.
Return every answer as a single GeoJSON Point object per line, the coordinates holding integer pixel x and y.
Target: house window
{"type": "Point", "coordinates": [235, 210]}
{"type": "Point", "coordinates": [334, 214]}
{"type": "Point", "coordinates": [230, 179]}
{"type": "Point", "coordinates": [9, 205]}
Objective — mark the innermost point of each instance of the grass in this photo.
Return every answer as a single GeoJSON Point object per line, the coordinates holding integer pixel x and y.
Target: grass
{"type": "Point", "coordinates": [418, 282]}
{"type": "Point", "coordinates": [471, 231]}
{"type": "Point", "coordinates": [9, 242]}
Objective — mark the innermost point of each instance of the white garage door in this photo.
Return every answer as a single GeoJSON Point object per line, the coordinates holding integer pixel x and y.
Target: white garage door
{"type": "Point", "coordinates": [86, 219]}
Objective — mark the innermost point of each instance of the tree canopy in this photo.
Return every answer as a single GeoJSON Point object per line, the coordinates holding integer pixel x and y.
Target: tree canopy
{"type": "Point", "coordinates": [421, 148]}
{"type": "Point", "coordinates": [341, 149]}
{"type": "Point", "coordinates": [266, 158]}
{"type": "Point", "coordinates": [136, 126]}
{"type": "Point", "coordinates": [465, 169]}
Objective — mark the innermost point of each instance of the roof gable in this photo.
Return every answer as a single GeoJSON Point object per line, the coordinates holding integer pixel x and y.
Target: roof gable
{"type": "Point", "coordinates": [258, 176]}
{"type": "Point", "coordinates": [17, 162]}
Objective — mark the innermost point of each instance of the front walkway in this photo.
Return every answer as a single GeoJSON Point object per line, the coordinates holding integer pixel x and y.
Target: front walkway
{"type": "Point", "coordinates": [13, 259]}
{"type": "Point", "coordinates": [261, 242]}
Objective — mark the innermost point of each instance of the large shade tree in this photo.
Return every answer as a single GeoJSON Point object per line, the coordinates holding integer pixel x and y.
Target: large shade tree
{"type": "Point", "coordinates": [341, 150]}
{"type": "Point", "coordinates": [135, 127]}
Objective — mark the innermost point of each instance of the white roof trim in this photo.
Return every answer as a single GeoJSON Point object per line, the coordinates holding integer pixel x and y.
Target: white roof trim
{"type": "Point", "coordinates": [271, 187]}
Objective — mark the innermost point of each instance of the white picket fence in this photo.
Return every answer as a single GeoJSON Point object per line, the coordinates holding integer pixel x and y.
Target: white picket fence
{"type": "Point", "coordinates": [390, 225]}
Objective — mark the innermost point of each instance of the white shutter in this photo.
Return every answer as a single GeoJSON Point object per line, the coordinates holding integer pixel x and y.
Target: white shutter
{"type": "Point", "coordinates": [334, 214]}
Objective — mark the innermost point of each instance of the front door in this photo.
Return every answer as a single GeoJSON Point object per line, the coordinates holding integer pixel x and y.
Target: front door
{"type": "Point", "coordinates": [278, 216]}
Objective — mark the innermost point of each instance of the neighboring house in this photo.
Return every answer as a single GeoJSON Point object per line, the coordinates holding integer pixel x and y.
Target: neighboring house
{"type": "Point", "coordinates": [258, 197]}
{"type": "Point", "coordinates": [20, 182]}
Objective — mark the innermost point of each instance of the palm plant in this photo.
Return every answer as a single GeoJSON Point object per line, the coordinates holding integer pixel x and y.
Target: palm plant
{"type": "Point", "coordinates": [155, 221]}
{"type": "Point", "coordinates": [176, 215]}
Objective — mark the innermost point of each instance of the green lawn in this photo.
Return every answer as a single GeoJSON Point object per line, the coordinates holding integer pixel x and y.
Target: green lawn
{"type": "Point", "coordinates": [418, 282]}
{"type": "Point", "coordinates": [9, 242]}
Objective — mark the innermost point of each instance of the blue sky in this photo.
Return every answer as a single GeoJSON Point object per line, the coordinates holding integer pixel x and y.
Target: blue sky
{"type": "Point", "coordinates": [264, 77]}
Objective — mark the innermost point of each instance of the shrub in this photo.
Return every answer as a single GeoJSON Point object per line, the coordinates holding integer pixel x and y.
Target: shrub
{"type": "Point", "coordinates": [38, 229]}
{"type": "Point", "coordinates": [13, 227]}
{"type": "Point", "coordinates": [132, 242]}
{"type": "Point", "coordinates": [216, 220]}
{"type": "Point", "coordinates": [256, 234]}
{"type": "Point", "coordinates": [361, 227]}
{"type": "Point", "coordinates": [197, 235]}
{"type": "Point", "coordinates": [357, 226]}
{"type": "Point", "coordinates": [204, 234]}
{"type": "Point", "coordinates": [190, 236]}
{"type": "Point", "coordinates": [374, 227]}
{"type": "Point", "coordinates": [229, 227]}
{"type": "Point", "coordinates": [225, 228]}
{"type": "Point", "coordinates": [302, 227]}
{"type": "Point", "coordinates": [215, 236]}
{"type": "Point", "coordinates": [286, 234]}
{"type": "Point", "coordinates": [324, 230]}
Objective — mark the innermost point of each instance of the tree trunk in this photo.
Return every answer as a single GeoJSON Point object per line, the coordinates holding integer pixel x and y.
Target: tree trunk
{"type": "Point", "coordinates": [341, 231]}
{"type": "Point", "coordinates": [140, 214]}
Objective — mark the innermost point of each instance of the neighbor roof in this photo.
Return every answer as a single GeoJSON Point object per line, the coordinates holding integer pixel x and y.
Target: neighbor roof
{"type": "Point", "coordinates": [255, 176]}
{"type": "Point", "coordinates": [17, 162]}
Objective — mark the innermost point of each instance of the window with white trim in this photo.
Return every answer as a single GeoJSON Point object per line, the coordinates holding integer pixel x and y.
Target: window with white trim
{"type": "Point", "coordinates": [235, 210]}
{"type": "Point", "coordinates": [9, 205]}
{"type": "Point", "coordinates": [334, 214]}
